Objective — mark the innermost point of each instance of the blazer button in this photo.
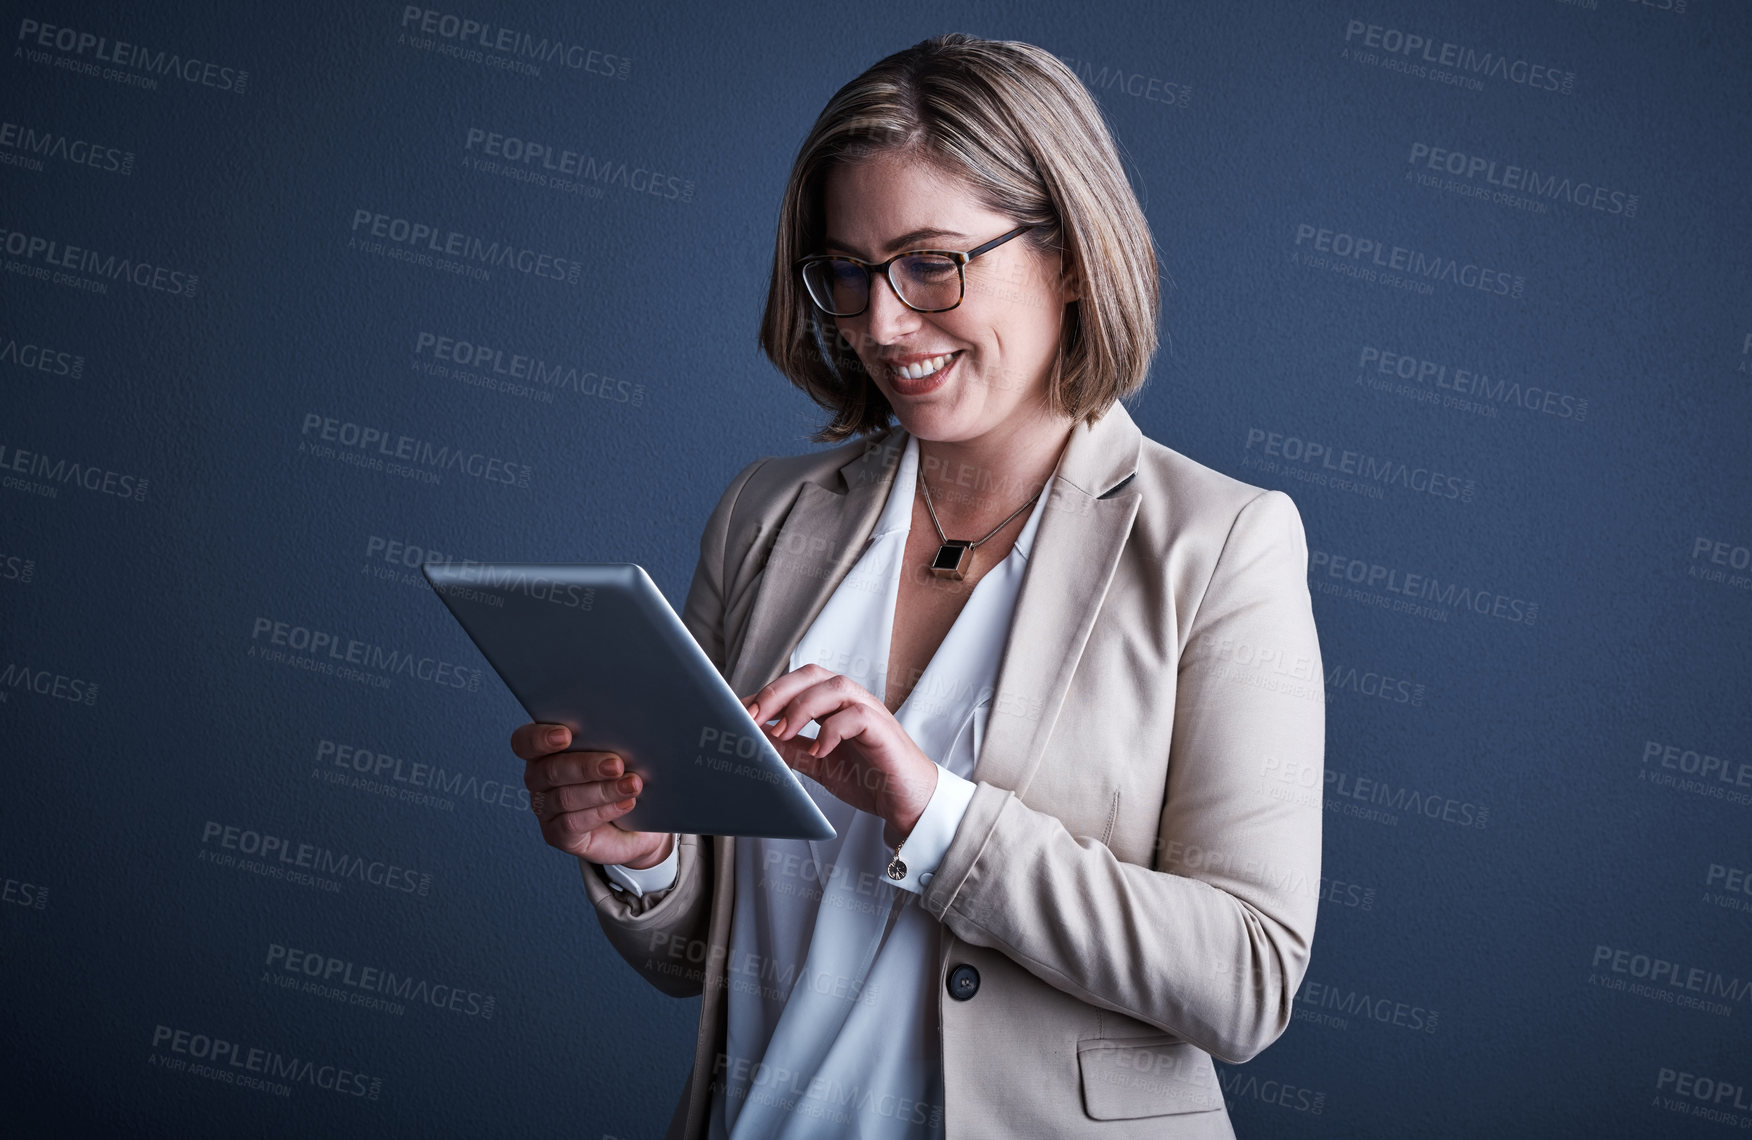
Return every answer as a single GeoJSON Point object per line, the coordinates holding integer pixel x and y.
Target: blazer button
{"type": "Point", "coordinates": [963, 982]}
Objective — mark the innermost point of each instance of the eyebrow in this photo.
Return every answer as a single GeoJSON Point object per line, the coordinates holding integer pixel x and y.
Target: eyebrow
{"type": "Point", "coordinates": [900, 242]}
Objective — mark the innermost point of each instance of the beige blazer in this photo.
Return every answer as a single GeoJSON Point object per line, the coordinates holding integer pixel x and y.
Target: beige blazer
{"type": "Point", "coordinates": [1132, 890]}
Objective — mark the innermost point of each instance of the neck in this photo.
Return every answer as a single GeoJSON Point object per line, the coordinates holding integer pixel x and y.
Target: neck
{"type": "Point", "coordinates": [976, 482]}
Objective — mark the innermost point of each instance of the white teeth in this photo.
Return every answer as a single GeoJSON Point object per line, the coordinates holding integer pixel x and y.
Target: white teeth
{"type": "Point", "coordinates": [925, 367]}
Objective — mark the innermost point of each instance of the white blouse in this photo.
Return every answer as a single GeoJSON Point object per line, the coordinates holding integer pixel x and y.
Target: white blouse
{"type": "Point", "coordinates": [833, 967]}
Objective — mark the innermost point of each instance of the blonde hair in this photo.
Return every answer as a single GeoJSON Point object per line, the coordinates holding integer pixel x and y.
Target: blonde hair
{"type": "Point", "coordinates": [1017, 125]}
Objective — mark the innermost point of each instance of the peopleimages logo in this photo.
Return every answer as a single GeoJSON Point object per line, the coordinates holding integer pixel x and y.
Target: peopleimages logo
{"type": "Point", "coordinates": [1139, 86]}
{"type": "Point", "coordinates": [492, 360]}
{"type": "Point", "coordinates": [19, 892]}
{"type": "Point", "coordinates": [418, 241]}
{"type": "Point", "coordinates": [1362, 1004]}
{"type": "Point", "coordinates": [270, 639]}
{"type": "Point", "coordinates": [1375, 361]}
{"type": "Point", "coordinates": [1369, 683]}
{"type": "Point", "coordinates": [382, 768]}
{"type": "Point", "coordinates": [77, 47]}
{"type": "Point", "coordinates": [1376, 469]}
{"type": "Point", "coordinates": [1445, 61]}
{"type": "Point", "coordinates": [506, 48]}
{"type": "Point", "coordinates": [537, 587]}
{"type": "Point", "coordinates": [1708, 1098]}
{"type": "Point", "coordinates": [1371, 255]}
{"type": "Point", "coordinates": [366, 445]}
{"type": "Point", "coordinates": [1237, 1085]}
{"type": "Point", "coordinates": [1674, 757]}
{"type": "Point", "coordinates": [1677, 983]}
{"type": "Point", "coordinates": [21, 677]}
{"type": "Point", "coordinates": [24, 468]}
{"type": "Point", "coordinates": [1519, 179]}
{"type": "Point", "coordinates": [372, 986]}
{"type": "Point", "coordinates": [17, 568]}
{"type": "Point", "coordinates": [285, 856]}
{"type": "Point", "coordinates": [32, 146]}
{"type": "Point", "coordinates": [1349, 794]}
{"type": "Point", "coordinates": [544, 161]}
{"type": "Point", "coordinates": [1363, 574]}
{"type": "Point", "coordinates": [41, 254]}
{"type": "Point", "coordinates": [236, 1063]}
{"type": "Point", "coordinates": [41, 358]}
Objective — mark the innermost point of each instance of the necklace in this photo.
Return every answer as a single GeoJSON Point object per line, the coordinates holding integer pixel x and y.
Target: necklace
{"type": "Point", "coordinates": [955, 557]}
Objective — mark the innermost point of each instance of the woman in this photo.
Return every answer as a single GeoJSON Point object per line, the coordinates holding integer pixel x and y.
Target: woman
{"type": "Point", "coordinates": [1056, 686]}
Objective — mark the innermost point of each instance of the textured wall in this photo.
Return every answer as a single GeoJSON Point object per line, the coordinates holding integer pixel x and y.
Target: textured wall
{"type": "Point", "coordinates": [1468, 281]}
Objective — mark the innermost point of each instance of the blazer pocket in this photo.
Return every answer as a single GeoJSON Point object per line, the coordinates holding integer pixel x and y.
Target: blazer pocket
{"type": "Point", "coordinates": [1128, 1077]}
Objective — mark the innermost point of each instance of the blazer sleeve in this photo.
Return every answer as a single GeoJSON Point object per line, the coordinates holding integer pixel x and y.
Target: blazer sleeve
{"type": "Point", "coordinates": [663, 934]}
{"type": "Point", "coordinates": [1211, 942]}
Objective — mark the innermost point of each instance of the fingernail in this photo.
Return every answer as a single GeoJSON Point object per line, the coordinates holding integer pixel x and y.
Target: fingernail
{"type": "Point", "coordinates": [556, 736]}
{"type": "Point", "coordinates": [629, 784]}
{"type": "Point", "coordinates": [779, 728]}
{"type": "Point", "coordinates": [611, 768]}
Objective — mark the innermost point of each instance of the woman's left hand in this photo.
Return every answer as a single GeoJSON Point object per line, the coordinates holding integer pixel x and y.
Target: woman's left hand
{"type": "Point", "coordinates": [862, 755]}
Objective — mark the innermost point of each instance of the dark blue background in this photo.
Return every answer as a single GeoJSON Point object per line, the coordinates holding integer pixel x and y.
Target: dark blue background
{"type": "Point", "coordinates": [1246, 124]}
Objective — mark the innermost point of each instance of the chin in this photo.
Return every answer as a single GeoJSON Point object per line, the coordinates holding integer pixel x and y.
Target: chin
{"type": "Point", "coordinates": [938, 425]}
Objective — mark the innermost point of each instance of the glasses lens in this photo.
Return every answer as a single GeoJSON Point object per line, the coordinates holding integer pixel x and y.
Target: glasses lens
{"type": "Point", "coordinates": [928, 280]}
{"type": "Point", "coordinates": [838, 286]}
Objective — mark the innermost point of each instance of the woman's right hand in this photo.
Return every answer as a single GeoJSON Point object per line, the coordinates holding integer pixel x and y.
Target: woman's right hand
{"type": "Point", "coordinates": [578, 795]}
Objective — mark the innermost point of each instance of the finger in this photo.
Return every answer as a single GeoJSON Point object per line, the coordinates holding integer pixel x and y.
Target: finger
{"type": "Point", "coordinates": [571, 768]}
{"type": "Point", "coordinates": [577, 797]}
{"type": "Point", "coordinates": [572, 831]}
{"type": "Point", "coordinates": [844, 725]}
{"type": "Point", "coordinates": [795, 754]}
{"type": "Point", "coordinates": [535, 740]}
{"type": "Point", "coordinates": [851, 724]}
{"type": "Point", "coordinates": [817, 701]}
{"type": "Point", "coordinates": [797, 757]}
{"type": "Point", "coordinates": [782, 689]}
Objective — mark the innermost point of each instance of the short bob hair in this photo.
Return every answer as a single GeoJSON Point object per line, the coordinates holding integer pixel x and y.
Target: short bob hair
{"type": "Point", "coordinates": [1017, 125]}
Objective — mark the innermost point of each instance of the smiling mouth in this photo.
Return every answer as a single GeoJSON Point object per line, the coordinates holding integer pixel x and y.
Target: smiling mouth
{"type": "Point", "coordinates": [923, 368]}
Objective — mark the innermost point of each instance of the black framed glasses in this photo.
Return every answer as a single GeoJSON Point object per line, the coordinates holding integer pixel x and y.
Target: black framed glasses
{"type": "Point", "coordinates": [925, 280]}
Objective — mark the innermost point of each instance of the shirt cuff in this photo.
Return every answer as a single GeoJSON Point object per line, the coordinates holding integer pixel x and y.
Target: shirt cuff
{"type": "Point", "coordinates": [924, 849]}
{"type": "Point", "coordinates": [638, 880]}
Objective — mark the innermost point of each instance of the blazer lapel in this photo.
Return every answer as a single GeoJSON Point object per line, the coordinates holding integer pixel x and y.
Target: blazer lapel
{"type": "Point", "coordinates": [815, 549]}
{"type": "Point", "coordinates": [1075, 551]}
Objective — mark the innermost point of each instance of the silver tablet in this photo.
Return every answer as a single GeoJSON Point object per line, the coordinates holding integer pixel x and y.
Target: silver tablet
{"type": "Point", "coordinates": [596, 647]}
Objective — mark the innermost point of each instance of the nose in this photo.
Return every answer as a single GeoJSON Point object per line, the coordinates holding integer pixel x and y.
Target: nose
{"type": "Point", "coordinates": [887, 319]}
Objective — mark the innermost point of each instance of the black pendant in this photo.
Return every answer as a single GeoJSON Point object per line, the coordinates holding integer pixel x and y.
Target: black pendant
{"type": "Point", "coordinates": [896, 869]}
{"type": "Point", "coordinates": [954, 559]}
